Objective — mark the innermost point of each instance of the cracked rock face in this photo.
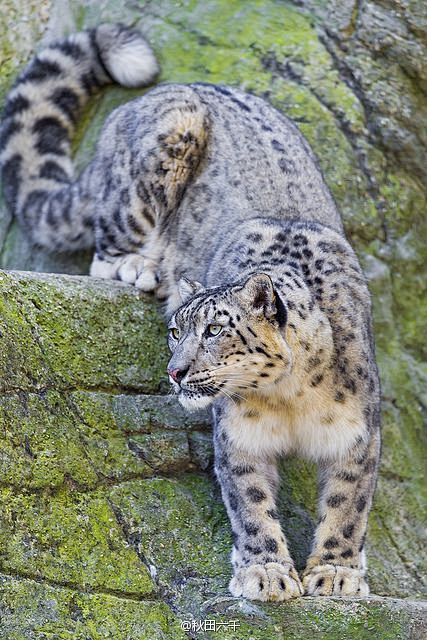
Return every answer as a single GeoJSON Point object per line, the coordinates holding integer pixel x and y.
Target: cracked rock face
{"type": "Point", "coordinates": [110, 523]}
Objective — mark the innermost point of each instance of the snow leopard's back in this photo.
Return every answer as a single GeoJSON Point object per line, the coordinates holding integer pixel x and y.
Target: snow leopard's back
{"type": "Point", "coordinates": [256, 164]}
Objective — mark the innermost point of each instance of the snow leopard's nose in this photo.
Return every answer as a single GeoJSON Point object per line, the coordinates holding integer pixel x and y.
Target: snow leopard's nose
{"type": "Point", "coordinates": [178, 374]}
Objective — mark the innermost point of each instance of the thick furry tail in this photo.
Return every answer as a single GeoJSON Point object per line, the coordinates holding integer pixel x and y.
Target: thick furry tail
{"type": "Point", "coordinates": [39, 118]}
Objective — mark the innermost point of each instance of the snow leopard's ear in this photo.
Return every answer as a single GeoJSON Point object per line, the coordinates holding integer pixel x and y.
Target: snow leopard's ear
{"type": "Point", "coordinates": [188, 288]}
{"type": "Point", "coordinates": [262, 298]}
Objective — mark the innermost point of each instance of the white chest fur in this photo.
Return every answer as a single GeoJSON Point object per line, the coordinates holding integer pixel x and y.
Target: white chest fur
{"type": "Point", "coordinates": [311, 425]}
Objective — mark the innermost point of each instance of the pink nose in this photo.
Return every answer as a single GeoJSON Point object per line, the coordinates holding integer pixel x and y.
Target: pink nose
{"type": "Point", "coordinates": [177, 374]}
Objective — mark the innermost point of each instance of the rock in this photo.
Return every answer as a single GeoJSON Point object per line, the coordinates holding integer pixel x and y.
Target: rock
{"type": "Point", "coordinates": [111, 525]}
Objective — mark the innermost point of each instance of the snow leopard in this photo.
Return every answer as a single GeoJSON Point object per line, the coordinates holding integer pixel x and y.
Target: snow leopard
{"type": "Point", "coordinates": [213, 200]}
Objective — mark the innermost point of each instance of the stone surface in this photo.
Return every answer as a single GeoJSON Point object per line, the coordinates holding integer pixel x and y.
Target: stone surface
{"type": "Point", "coordinates": [111, 525]}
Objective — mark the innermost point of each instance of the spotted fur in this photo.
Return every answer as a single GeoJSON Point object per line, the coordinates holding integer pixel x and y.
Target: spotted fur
{"type": "Point", "coordinates": [214, 200]}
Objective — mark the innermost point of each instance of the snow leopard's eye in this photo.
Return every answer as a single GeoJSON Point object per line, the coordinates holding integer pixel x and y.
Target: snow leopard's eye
{"type": "Point", "coordinates": [214, 329]}
{"type": "Point", "coordinates": [175, 333]}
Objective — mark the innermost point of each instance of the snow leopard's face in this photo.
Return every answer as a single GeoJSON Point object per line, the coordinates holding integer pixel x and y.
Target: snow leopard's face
{"type": "Point", "coordinates": [227, 342]}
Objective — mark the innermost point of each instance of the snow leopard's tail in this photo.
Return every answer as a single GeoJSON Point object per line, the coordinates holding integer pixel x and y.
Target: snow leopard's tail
{"type": "Point", "coordinates": [39, 118]}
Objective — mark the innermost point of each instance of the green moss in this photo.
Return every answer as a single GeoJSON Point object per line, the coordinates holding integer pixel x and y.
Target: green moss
{"type": "Point", "coordinates": [75, 328]}
{"type": "Point", "coordinates": [96, 334]}
{"type": "Point", "coordinates": [22, 23]}
{"type": "Point", "coordinates": [112, 456]}
{"type": "Point", "coordinates": [136, 413]}
{"type": "Point", "coordinates": [127, 436]}
{"type": "Point", "coordinates": [40, 445]}
{"type": "Point", "coordinates": [330, 619]}
{"type": "Point", "coordinates": [31, 610]}
{"type": "Point", "coordinates": [69, 538]}
{"type": "Point", "coordinates": [182, 508]}
{"type": "Point", "coordinates": [34, 611]}
{"type": "Point", "coordinates": [22, 364]}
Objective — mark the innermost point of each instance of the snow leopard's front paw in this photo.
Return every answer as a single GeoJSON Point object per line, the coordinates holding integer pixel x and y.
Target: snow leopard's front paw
{"type": "Point", "coordinates": [271, 581]}
{"type": "Point", "coordinates": [131, 268]}
{"type": "Point", "coordinates": [332, 580]}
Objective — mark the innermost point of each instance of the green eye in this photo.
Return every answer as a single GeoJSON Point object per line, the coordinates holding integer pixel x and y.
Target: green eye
{"type": "Point", "coordinates": [214, 329]}
{"type": "Point", "coordinates": [175, 333]}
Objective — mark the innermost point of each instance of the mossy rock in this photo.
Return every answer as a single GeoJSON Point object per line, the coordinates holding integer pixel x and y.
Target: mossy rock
{"type": "Point", "coordinates": [111, 525]}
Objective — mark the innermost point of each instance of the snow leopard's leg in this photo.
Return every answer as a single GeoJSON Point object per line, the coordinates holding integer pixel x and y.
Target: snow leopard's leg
{"type": "Point", "coordinates": [263, 568]}
{"type": "Point", "coordinates": [147, 153]}
{"type": "Point", "coordinates": [337, 563]}
{"type": "Point", "coordinates": [54, 207]}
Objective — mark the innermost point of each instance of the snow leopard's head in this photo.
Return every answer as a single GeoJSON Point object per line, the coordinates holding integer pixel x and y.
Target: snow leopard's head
{"type": "Point", "coordinates": [227, 341]}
